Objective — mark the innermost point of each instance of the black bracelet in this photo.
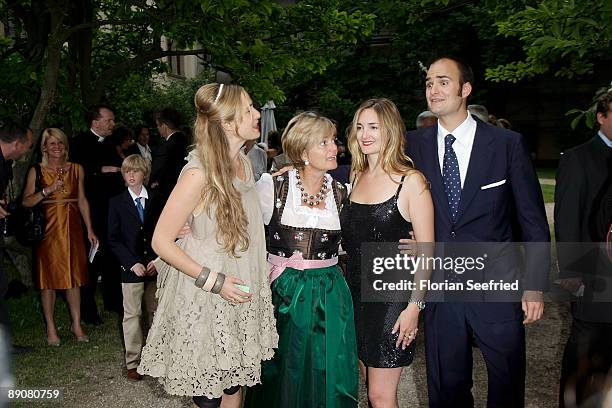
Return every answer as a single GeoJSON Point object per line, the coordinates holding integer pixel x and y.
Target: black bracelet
{"type": "Point", "coordinates": [218, 284]}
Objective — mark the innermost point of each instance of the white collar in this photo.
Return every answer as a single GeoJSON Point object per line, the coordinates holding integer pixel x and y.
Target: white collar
{"type": "Point", "coordinates": [143, 193]}
{"type": "Point", "coordinates": [462, 132]}
{"type": "Point", "coordinates": [605, 139]}
{"type": "Point", "coordinates": [100, 138]}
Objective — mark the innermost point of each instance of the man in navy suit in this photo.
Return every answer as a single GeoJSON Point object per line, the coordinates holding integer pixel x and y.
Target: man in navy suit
{"type": "Point", "coordinates": [478, 173]}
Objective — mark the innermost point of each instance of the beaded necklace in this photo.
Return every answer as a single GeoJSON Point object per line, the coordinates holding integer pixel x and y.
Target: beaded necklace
{"type": "Point", "coordinates": [311, 200]}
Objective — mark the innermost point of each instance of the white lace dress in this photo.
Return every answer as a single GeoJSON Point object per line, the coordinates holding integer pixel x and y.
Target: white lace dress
{"type": "Point", "coordinates": [199, 344]}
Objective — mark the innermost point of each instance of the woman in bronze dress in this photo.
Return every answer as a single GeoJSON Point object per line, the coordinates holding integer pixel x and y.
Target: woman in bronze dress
{"type": "Point", "coordinates": [60, 259]}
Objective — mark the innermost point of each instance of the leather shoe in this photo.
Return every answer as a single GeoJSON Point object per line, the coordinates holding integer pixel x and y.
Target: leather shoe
{"type": "Point", "coordinates": [133, 375]}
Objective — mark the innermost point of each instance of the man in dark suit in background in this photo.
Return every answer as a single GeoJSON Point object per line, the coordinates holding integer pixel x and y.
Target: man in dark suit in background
{"type": "Point", "coordinates": [141, 145]}
{"type": "Point", "coordinates": [169, 157]}
{"type": "Point", "coordinates": [476, 172]}
{"type": "Point", "coordinates": [90, 150]}
{"type": "Point", "coordinates": [583, 180]}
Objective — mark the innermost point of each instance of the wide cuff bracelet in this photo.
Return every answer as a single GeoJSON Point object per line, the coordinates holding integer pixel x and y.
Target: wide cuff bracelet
{"type": "Point", "coordinates": [201, 279]}
{"type": "Point", "coordinates": [218, 283]}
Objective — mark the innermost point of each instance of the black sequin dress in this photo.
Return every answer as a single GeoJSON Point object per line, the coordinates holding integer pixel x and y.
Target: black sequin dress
{"type": "Point", "coordinates": [374, 321]}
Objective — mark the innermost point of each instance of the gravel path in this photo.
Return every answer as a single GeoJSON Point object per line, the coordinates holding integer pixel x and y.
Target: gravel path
{"type": "Point", "coordinates": [106, 386]}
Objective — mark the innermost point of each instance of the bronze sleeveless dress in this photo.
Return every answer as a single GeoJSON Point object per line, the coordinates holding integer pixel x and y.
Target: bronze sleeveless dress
{"type": "Point", "coordinates": [61, 258]}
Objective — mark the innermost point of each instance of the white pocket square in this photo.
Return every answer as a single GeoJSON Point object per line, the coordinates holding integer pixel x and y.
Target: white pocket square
{"type": "Point", "coordinates": [497, 183]}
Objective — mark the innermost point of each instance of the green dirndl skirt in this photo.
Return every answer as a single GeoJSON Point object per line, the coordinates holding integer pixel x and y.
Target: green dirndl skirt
{"type": "Point", "coordinates": [316, 361]}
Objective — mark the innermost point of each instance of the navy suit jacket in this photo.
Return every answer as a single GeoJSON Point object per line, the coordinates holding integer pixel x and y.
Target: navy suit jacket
{"type": "Point", "coordinates": [128, 237]}
{"type": "Point", "coordinates": [485, 215]}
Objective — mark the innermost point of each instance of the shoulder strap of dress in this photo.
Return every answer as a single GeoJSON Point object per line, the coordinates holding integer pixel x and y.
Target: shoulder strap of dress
{"type": "Point", "coordinates": [353, 184]}
{"type": "Point", "coordinates": [400, 186]}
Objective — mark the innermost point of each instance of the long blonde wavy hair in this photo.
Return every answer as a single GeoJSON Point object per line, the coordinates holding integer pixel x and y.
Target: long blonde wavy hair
{"type": "Point", "coordinates": [392, 157]}
{"type": "Point", "coordinates": [217, 104]}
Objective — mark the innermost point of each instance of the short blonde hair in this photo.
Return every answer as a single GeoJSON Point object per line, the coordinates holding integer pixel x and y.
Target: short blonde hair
{"type": "Point", "coordinates": [302, 132]}
{"type": "Point", "coordinates": [136, 162]}
{"type": "Point", "coordinates": [58, 134]}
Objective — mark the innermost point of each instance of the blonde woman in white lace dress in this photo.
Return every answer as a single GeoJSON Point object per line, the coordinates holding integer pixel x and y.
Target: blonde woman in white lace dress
{"type": "Point", "coordinates": [209, 337]}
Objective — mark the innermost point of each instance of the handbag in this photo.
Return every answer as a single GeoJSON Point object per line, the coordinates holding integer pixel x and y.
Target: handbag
{"type": "Point", "coordinates": [31, 221]}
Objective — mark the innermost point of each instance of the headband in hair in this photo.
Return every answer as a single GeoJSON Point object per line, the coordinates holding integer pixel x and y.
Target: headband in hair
{"type": "Point", "coordinates": [218, 93]}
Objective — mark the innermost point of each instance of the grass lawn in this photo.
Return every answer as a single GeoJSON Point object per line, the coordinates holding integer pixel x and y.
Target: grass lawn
{"type": "Point", "coordinates": [548, 191]}
{"type": "Point", "coordinates": [59, 367]}
{"type": "Point", "coordinates": [546, 172]}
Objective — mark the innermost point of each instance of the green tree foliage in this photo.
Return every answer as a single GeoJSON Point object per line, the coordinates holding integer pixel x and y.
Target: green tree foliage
{"type": "Point", "coordinates": [65, 55]}
{"type": "Point", "coordinates": [391, 63]}
{"type": "Point", "coordinates": [564, 37]}
{"type": "Point", "coordinates": [503, 41]}
{"type": "Point", "coordinates": [589, 115]}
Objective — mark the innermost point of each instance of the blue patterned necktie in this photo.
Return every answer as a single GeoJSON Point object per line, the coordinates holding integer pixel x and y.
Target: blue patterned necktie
{"type": "Point", "coordinates": [139, 208]}
{"type": "Point", "coordinates": [451, 176]}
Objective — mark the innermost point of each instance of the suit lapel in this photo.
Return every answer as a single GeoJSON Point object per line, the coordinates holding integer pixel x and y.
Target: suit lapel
{"type": "Point", "coordinates": [148, 207]}
{"type": "Point", "coordinates": [131, 205]}
{"type": "Point", "coordinates": [433, 163]}
{"type": "Point", "coordinates": [480, 160]}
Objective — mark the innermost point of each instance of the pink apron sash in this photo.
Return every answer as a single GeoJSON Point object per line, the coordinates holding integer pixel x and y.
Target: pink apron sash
{"type": "Point", "coordinates": [296, 261]}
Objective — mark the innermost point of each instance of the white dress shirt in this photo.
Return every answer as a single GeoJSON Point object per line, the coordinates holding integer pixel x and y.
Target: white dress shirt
{"type": "Point", "coordinates": [143, 194]}
{"type": "Point", "coordinates": [145, 151]}
{"type": "Point", "coordinates": [464, 139]}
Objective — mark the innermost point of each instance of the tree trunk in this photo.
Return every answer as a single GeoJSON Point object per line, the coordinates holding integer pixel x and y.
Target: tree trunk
{"type": "Point", "coordinates": [51, 74]}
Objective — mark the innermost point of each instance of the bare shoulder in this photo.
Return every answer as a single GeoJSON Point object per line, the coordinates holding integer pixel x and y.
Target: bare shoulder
{"type": "Point", "coordinates": [415, 182]}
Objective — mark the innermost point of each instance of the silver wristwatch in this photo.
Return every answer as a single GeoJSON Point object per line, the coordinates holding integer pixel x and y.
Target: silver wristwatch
{"type": "Point", "coordinates": [419, 303]}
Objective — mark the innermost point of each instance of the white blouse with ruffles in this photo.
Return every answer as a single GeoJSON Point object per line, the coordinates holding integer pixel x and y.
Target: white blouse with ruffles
{"type": "Point", "coordinates": [295, 214]}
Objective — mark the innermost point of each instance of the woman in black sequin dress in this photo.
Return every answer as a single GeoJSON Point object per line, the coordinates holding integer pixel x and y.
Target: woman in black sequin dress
{"type": "Point", "coordinates": [389, 200]}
